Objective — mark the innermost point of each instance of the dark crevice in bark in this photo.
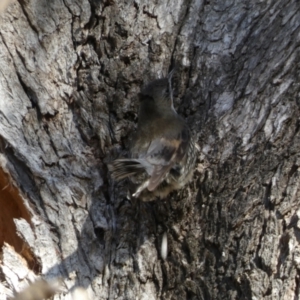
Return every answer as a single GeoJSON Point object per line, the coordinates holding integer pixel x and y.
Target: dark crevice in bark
{"type": "Point", "coordinates": [31, 96]}
{"type": "Point", "coordinates": [297, 288]}
{"type": "Point", "coordinates": [93, 18]}
{"type": "Point", "coordinates": [267, 202]}
{"type": "Point", "coordinates": [23, 175]}
{"type": "Point", "coordinates": [149, 14]}
{"type": "Point", "coordinates": [36, 30]}
{"type": "Point", "coordinates": [245, 288]}
{"type": "Point", "coordinates": [283, 253]}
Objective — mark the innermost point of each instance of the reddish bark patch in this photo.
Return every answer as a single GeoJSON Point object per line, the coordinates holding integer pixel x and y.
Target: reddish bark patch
{"type": "Point", "coordinates": [12, 207]}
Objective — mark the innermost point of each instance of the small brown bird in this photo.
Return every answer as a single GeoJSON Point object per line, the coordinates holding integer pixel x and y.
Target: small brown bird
{"type": "Point", "coordinates": [162, 153]}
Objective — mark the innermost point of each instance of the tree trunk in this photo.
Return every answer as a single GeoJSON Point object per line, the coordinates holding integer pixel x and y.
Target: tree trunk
{"type": "Point", "coordinates": [70, 73]}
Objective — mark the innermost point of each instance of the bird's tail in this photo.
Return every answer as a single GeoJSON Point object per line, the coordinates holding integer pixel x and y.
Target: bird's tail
{"type": "Point", "coordinates": [123, 168]}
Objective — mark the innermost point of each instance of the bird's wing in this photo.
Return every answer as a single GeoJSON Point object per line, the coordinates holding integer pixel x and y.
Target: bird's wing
{"type": "Point", "coordinates": [162, 154]}
{"type": "Point", "coordinates": [158, 175]}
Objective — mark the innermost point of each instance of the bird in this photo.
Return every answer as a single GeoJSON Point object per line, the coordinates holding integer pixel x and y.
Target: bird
{"type": "Point", "coordinates": [162, 153]}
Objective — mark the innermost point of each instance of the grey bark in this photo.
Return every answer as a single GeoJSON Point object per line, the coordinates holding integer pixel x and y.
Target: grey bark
{"type": "Point", "coordinates": [70, 72]}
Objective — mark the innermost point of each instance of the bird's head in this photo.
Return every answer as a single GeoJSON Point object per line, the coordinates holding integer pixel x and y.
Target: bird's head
{"type": "Point", "coordinates": [158, 93]}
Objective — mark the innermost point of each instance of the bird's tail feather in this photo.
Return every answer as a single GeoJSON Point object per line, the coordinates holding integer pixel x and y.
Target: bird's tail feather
{"type": "Point", "coordinates": [122, 168]}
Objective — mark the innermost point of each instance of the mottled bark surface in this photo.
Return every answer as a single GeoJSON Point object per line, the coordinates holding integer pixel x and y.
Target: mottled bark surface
{"type": "Point", "coordinates": [70, 72]}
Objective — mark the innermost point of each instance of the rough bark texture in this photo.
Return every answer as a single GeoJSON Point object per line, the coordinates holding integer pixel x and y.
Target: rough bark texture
{"type": "Point", "coordinates": [70, 72]}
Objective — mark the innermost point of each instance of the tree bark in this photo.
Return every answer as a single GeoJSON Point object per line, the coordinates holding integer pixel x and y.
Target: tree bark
{"type": "Point", "coordinates": [70, 73]}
